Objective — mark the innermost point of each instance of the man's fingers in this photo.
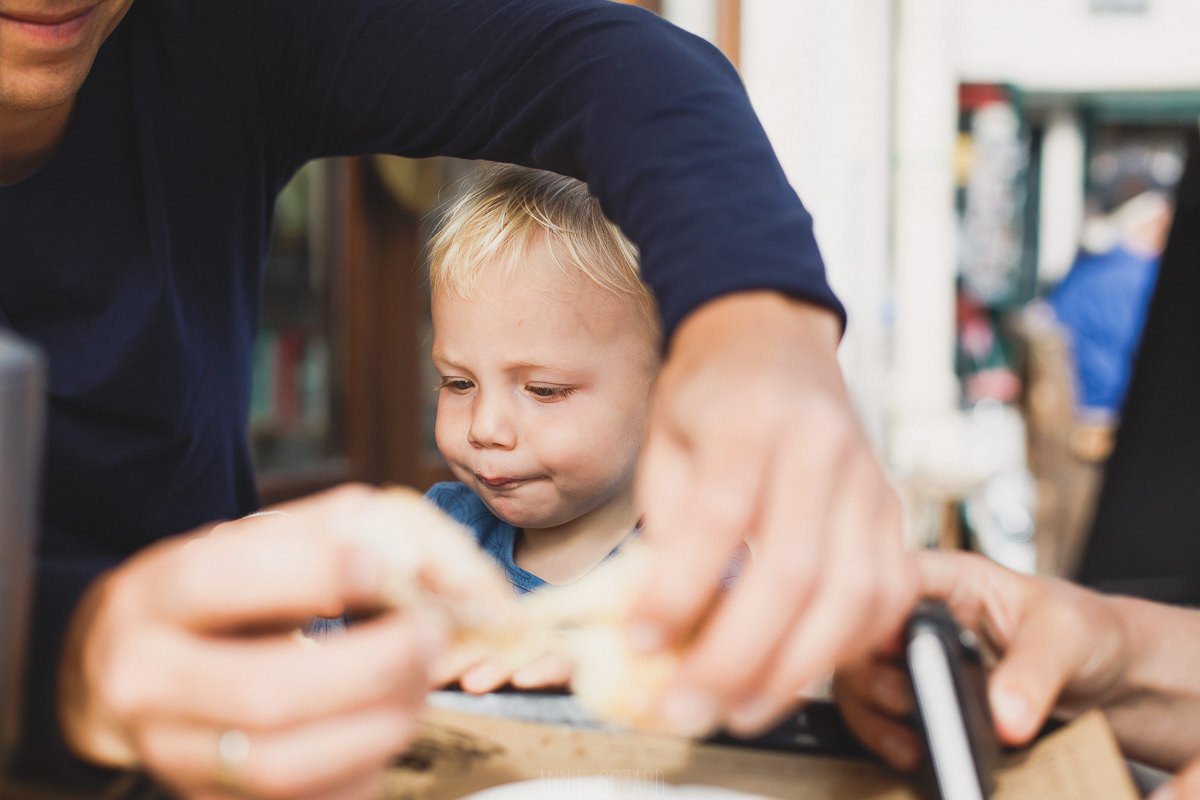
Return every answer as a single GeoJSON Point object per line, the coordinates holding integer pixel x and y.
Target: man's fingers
{"type": "Point", "coordinates": [1185, 786]}
{"type": "Point", "coordinates": [736, 648]}
{"type": "Point", "coordinates": [272, 682]}
{"type": "Point", "coordinates": [370, 786]}
{"type": "Point", "coordinates": [966, 583]}
{"type": "Point", "coordinates": [318, 758]}
{"type": "Point", "coordinates": [879, 684]}
{"type": "Point", "coordinates": [848, 615]}
{"type": "Point", "coordinates": [267, 568]}
{"type": "Point", "coordinates": [706, 505]}
{"type": "Point", "coordinates": [874, 696]}
{"type": "Point", "coordinates": [884, 735]}
{"type": "Point", "coordinates": [1044, 654]}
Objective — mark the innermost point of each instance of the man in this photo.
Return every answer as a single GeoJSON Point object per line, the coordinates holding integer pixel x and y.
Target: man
{"type": "Point", "coordinates": [141, 147]}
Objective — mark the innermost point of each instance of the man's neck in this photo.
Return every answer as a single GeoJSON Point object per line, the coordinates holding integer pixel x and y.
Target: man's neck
{"type": "Point", "coordinates": [29, 139]}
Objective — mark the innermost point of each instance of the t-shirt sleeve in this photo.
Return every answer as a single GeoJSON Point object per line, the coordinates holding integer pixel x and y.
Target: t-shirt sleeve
{"type": "Point", "coordinates": [653, 118]}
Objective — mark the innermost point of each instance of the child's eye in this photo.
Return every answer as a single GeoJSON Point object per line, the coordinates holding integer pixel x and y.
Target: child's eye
{"type": "Point", "coordinates": [543, 392]}
{"type": "Point", "coordinates": [456, 384]}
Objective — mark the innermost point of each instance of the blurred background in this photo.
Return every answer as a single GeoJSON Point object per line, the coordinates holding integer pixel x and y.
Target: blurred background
{"type": "Point", "coordinates": [991, 183]}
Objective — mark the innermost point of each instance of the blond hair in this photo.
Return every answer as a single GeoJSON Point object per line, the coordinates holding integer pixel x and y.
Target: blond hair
{"type": "Point", "coordinates": [507, 209]}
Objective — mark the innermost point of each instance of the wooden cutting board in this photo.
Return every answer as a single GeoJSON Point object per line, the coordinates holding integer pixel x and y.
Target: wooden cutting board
{"type": "Point", "coordinates": [459, 753]}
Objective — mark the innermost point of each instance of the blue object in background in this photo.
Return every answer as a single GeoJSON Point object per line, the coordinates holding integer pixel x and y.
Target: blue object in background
{"type": "Point", "coordinates": [1102, 305]}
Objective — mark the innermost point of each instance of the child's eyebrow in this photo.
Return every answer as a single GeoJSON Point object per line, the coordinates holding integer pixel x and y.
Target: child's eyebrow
{"type": "Point", "coordinates": [563, 366]}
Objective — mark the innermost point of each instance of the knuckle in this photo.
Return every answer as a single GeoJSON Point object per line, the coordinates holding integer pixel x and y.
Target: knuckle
{"type": "Point", "coordinates": [724, 510]}
{"type": "Point", "coordinates": [857, 591]}
{"type": "Point", "coordinates": [764, 410]}
{"type": "Point", "coordinates": [349, 495]}
{"type": "Point", "coordinates": [794, 573]}
{"type": "Point", "coordinates": [1063, 615]}
{"type": "Point", "coordinates": [828, 414]}
{"type": "Point", "coordinates": [123, 688]}
{"type": "Point", "coordinates": [261, 706]}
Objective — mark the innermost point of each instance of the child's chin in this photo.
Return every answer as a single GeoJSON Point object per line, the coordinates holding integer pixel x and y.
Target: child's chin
{"type": "Point", "coordinates": [525, 519]}
{"type": "Point", "coordinates": [513, 513]}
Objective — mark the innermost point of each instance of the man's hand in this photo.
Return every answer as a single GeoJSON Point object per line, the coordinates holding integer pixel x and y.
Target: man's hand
{"type": "Point", "coordinates": [184, 661]}
{"type": "Point", "coordinates": [1185, 786]}
{"type": "Point", "coordinates": [752, 437]}
{"type": "Point", "coordinates": [1061, 649]}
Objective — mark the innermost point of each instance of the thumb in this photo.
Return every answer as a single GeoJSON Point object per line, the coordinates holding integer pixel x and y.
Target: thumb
{"type": "Point", "coordinates": [1042, 656]}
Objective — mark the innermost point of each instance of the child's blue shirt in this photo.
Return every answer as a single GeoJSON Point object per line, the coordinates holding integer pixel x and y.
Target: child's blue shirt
{"type": "Point", "coordinates": [494, 535]}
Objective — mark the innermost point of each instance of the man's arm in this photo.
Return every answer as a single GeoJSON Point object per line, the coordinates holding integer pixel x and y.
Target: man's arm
{"type": "Point", "coordinates": [751, 436]}
{"type": "Point", "coordinates": [653, 118]}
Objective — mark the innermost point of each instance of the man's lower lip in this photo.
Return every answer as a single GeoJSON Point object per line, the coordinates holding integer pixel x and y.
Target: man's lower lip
{"type": "Point", "coordinates": [57, 33]}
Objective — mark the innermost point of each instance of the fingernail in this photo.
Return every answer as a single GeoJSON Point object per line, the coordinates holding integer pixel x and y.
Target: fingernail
{"type": "Point", "coordinates": [898, 752]}
{"type": "Point", "coordinates": [689, 712]}
{"type": "Point", "coordinates": [645, 638]}
{"type": "Point", "coordinates": [1165, 792]}
{"type": "Point", "coordinates": [750, 716]}
{"type": "Point", "coordinates": [1012, 708]}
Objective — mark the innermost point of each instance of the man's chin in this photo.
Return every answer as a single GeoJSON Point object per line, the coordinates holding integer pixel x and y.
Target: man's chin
{"type": "Point", "coordinates": [40, 88]}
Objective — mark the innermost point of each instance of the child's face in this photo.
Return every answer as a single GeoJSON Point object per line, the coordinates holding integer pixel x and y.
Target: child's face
{"type": "Point", "coordinates": [544, 392]}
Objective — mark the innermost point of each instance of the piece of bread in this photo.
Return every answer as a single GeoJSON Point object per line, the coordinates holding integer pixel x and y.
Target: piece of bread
{"type": "Point", "coordinates": [586, 621]}
{"type": "Point", "coordinates": [434, 566]}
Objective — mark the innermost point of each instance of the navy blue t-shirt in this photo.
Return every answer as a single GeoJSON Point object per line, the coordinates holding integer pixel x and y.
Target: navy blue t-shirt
{"type": "Point", "coordinates": [134, 257]}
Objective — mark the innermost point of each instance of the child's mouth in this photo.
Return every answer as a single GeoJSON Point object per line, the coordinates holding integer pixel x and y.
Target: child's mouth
{"type": "Point", "coordinates": [501, 482]}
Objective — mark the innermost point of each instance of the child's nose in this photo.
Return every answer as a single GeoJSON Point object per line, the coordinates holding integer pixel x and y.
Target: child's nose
{"type": "Point", "coordinates": [491, 424]}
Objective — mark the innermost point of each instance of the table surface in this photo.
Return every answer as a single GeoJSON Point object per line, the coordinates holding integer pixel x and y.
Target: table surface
{"type": "Point", "coordinates": [457, 754]}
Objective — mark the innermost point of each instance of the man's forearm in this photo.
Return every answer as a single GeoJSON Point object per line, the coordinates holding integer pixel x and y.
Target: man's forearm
{"type": "Point", "coordinates": [1155, 711]}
